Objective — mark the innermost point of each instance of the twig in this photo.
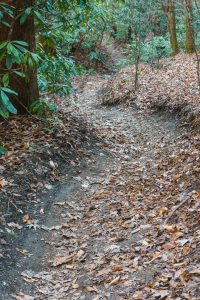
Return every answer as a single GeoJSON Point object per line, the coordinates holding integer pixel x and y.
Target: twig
{"type": "Point", "coordinates": [17, 209]}
{"type": "Point", "coordinates": [175, 209]}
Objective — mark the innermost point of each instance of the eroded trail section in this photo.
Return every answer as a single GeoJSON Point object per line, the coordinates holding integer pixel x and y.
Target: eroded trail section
{"type": "Point", "coordinates": [109, 241]}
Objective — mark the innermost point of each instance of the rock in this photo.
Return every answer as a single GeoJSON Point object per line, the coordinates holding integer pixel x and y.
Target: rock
{"type": "Point", "coordinates": [113, 249]}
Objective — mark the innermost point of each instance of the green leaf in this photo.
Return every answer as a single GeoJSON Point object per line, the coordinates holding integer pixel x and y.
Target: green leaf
{"type": "Point", "coordinates": [5, 24]}
{"type": "Point", "coordinates": [5, 79]}
{"type": "Point", "coordinates": [20, 74]}
{"type": "Point", "coordinates": [51, 107]}
{"type": "Point", "coordinates": [2, 150]}
{"type": "Point", "coordinates": [24, 15]}
{"type": "Point", "coordinates": [30, 62]}
{"type": "Point", "coordinates": [3, 111]}
{"type": "Point", "coordinates": [35, 57]}
{"type": "Point", "coordinates": [12, 50]}
{"type": "Point", "coordinates": [22, 49]}
{"type": "Point", "coordinates": [23, 18]}
{"type": "Point", "coordinates": [7, 90]}
{"type": "Point", "coordinates": [3, 45]}
{"type": "Point", "coordinates": [9, 61]}
{"type": "Point", "coordinates": [7, 103]}
{"type": "Point", "coordinates": [39, 16]}
{"type": "Point", "coordinates": [22, 43]}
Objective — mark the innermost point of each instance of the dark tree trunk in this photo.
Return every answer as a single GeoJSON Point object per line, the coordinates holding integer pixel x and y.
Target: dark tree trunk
{"type": "Point", "coordinates": [189, 43]}
{"type": "Point", "coordinates": [27, 88]}
{"type": "Point", "coordinates": [130, 32]}
{"type": "Point", "coordinates": [114, 31]}
{"type": "Point", "coordinates": [171, 16]}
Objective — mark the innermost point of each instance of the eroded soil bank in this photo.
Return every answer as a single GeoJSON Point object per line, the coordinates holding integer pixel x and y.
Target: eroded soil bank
{"type": "Point", "coordinates": [102, 233]}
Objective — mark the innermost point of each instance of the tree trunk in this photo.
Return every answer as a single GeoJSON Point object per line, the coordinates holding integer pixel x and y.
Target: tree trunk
{"type": "Point", "coordinates": [189, 43]}
{"type": "Point", "coordinates": [114, 31]}
{"type": "Point", "coordinates": [130, 32]}
{"type": "Point", "coordinates": [171, 16]}
{"type": "Point", "coordinates": [27, 88]}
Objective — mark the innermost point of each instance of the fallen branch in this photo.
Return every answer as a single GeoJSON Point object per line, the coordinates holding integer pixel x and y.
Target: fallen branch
{"type": "Point", "coordinates": [175, 209]}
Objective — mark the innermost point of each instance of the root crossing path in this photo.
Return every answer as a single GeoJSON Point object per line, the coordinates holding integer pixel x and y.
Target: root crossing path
{"type": "Point", "coordinates": [101, 236]}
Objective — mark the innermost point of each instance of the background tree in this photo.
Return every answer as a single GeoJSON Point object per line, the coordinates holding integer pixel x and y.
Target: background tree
{"type": "Point", "coordinates": [171, 16]}
{"type": "Point", "coordinates": [62, 30]}
{"type": "Point", "coordinates": [190, 42]}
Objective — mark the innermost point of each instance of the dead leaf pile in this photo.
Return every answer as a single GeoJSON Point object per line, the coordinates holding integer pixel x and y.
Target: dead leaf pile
{"type": "Point", "coordinates": [172, 87]}
{"type": "Point", "coordinates": [38, 154]}
{"type": "Point", "coordinates": [120, 240]}
{"type": "Point", "coordinates": [130, 229]}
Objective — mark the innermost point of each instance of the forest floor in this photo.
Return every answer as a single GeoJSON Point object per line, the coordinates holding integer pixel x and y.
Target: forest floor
{"type": "Point", "coordinates": [122, 221]}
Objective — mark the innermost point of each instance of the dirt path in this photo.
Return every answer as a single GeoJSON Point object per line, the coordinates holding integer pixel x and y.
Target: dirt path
{"type": "Point", "coordinates": [101, 234]}
{"type": "Point", "coordinates": [114, 51]}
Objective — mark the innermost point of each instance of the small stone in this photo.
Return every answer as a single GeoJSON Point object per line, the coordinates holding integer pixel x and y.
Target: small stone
{"type": "Point", "coordinates": [113, 249]}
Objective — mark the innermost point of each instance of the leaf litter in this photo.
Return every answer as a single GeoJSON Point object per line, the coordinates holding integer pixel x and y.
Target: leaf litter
{"type": "Point", "coordinates": [172, 87]}
{"type": "Point", "coordinates": [133, 232]}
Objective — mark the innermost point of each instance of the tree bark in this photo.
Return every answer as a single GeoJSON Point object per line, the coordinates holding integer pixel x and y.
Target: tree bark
{"type": "Point", "coordinates": [189, 42]}
{"type": "Point", "coordinates": [27, 88]}
{"type": "Point", "coordinates": [171, 16]}
{"type": "Point", "coordinates": [130, 33]}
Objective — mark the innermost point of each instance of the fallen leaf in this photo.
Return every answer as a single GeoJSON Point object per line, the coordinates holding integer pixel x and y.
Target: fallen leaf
{"type": "Point", "coordinates": [182, 241]}
{"type": "Point", "coordinates": [3, 182]}
{"type": "Point", "coordinates": [115, 281]}
{"type": "Point", "coordinates": [14, 225]}
{"type": "Point", "coordinates": [75, 286]}
{"type": "Point", "coordinates": [138, 296]}
{"type": "Point", "coordinates": [52, 164]}
{"type": "Point", "coordinates": [117, 268]}
{"type": "Point", "coordinates": [195, 271]}
{"type": "Point", "coordinates": [162, 211]}
{"type": "Point", "coordinates": [80, 254]}
{"type": "Point", "coordinates": [25, 218]}
{"type": "Point", "coordinates": [60, 260]}
{"type": "Point", "coordinates": [91, 289]}
{"type": "Point", "coordinates": [23, 251]}
{"type": "Point", "coordinates": [170, 228]}
{"type": "Point", "coordinates": [22, 296]}
{"type": "Point", "coordinates": [162, 294]}
{"type": "Point", "coordinates": [70, 267]}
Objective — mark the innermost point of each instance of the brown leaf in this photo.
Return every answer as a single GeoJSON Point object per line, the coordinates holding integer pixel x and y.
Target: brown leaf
{"type": "Point", "coordinates": [115, 281]}
{"type": "Point", "coordinates": [22, 296]}
{"type": "Point", "coordinates": [23, 251]}
{"type": "Point", "coordinates": [69, 267]}
{"type": "Point", "coordinates": [138, 296]}
{"type": "Point", "coordinates": [91, 289]}
{"type": "Point", "coordinates": [61, 260]}
{"type": "Point", "coordinates": [162, 211]}
{"type": "Point", "coordinates": [25, 218]}
{"type": "Point", "coordinates": [80, 254]}
{"type": "Point", "coordinates": [3, 182]}
{"type": "Point", "coordinates": [75, 286]}
{"type": "Point", "coordinates": [14, 225]}
{"type": "Point", "coordinates": [195, 271]}
{"type": "Point", "coordinates": [117, 268]}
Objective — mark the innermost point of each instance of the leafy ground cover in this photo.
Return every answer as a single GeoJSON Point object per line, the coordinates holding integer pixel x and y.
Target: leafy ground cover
{"type": "Point", "coordinates": [36, 155]}
{"type": "Point", "coordinates": [172, 87]}
{"type": "Point", "coordinates": [125, 225]}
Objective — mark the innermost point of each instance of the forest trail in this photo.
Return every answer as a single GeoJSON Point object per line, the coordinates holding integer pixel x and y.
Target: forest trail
{"type": "Point", "coordinates": [101, 236]}
{"type": "Point", "coordinates": [99, 202]}
{"type": "Point", "coordinates": [114, 51]}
